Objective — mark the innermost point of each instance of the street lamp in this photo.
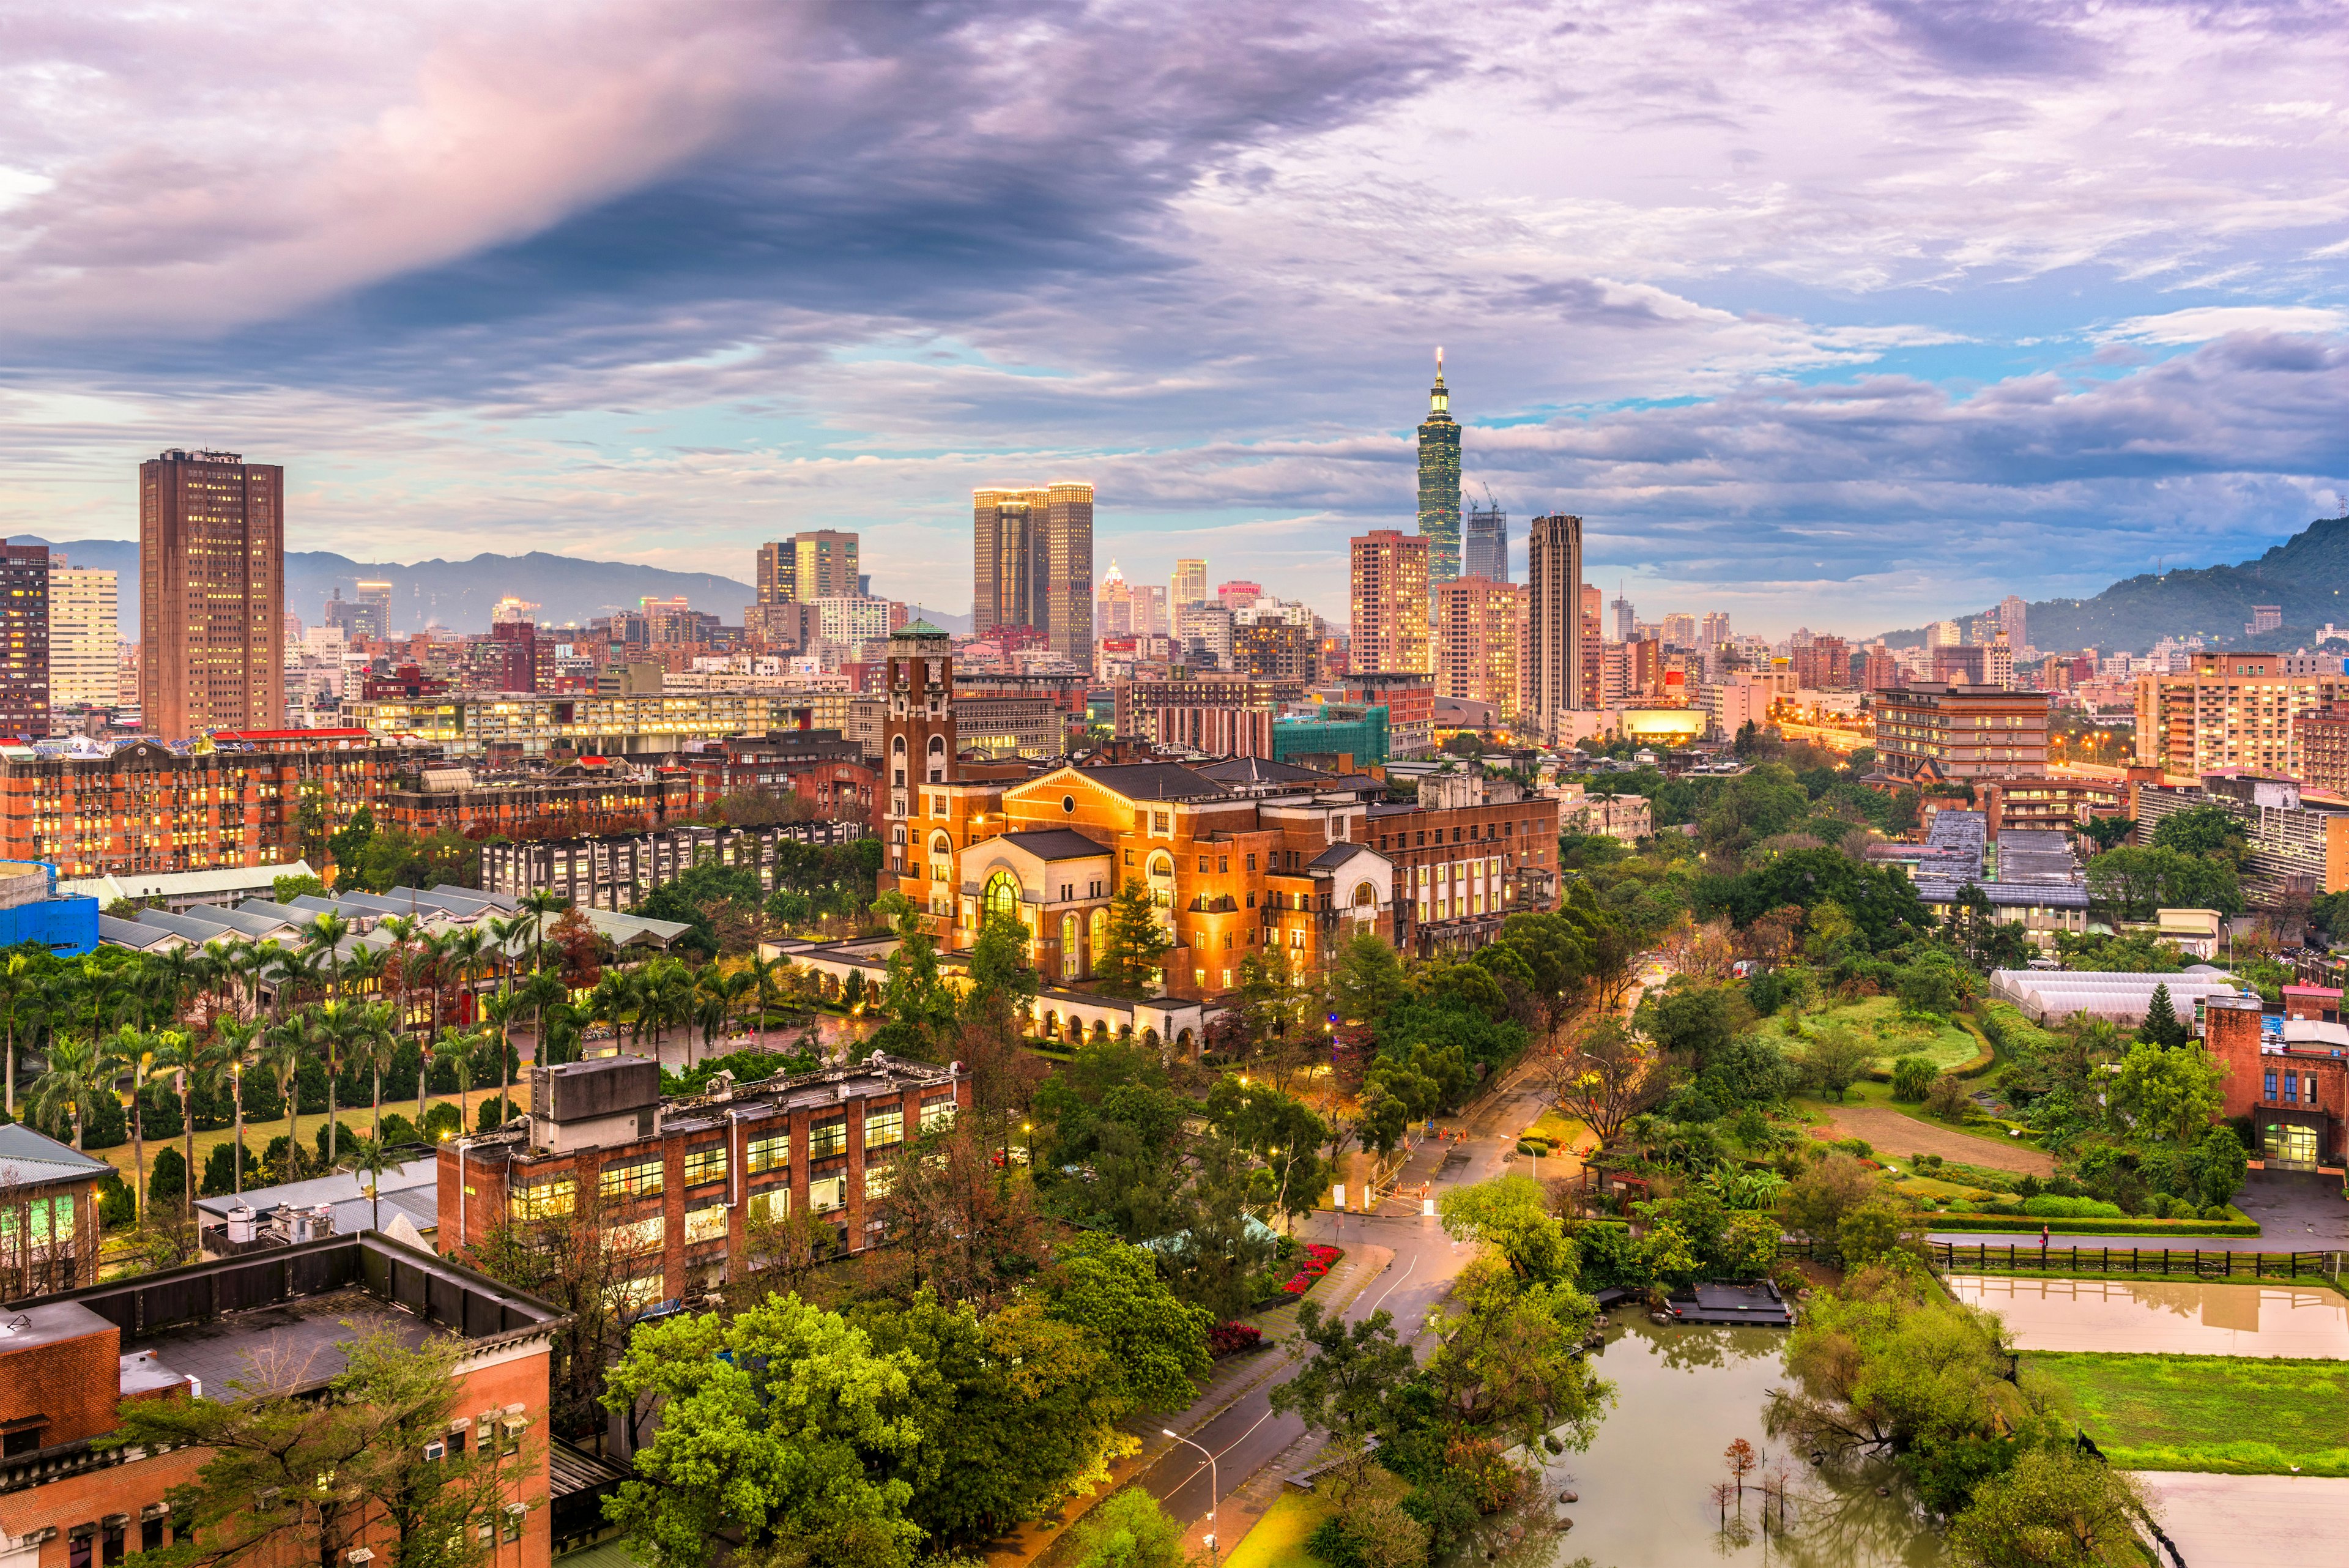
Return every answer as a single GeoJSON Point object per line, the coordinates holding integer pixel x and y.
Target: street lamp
{"type": "Point", "coordinates": [1212, 1489]}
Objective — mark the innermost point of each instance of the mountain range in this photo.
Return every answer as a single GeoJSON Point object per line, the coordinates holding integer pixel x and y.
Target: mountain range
{"type": "Point", "coordinates": [458, 595]}
{"type": "Point", "coordinates": [2306, 576]}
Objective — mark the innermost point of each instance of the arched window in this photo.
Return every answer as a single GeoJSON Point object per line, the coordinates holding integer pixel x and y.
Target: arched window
{"type": "Point", "coordinates": [937, 746]}
{"type": "Point", "coordinates": [1002, 896]}
{"type": "Point", "coordinates": [897, 746]}
{"type": "Point", "coordinates": [1099, 934]}
{"type": "Point", "coordinates": [1072, 958]}
{"type": "Point", "coordinates": [1366, 897]}
{"type": "Point", "coordinates": [940, 844]}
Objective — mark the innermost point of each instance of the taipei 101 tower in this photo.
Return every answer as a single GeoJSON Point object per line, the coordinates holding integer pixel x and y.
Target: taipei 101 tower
{"type": "Point", "coordinates": [1439, 482]}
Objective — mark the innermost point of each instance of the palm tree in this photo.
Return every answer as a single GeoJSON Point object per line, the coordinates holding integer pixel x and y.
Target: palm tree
{"type": "Point", "coordinates": [378, 1040]}
{"type": "Point", "coordinates": [464, 1065]}
{"type": "Point", "coordinates": [97, 985]}
{"type": "Point", "coordinates": [194, 1064]}
{"type": "Point", "coordinates": [499, 1010]}
{"type": "Point", "coordinates": [16, 990]}
{"type": "Point", "coordinates": [130, 1051]}
{"type": "Point", "coordinates": [766, 979]}
{"type": "Point", "coordinates": [327, 932]}
{"type": "Point", "coordinates": [537, 906]}
{"type": "Point", "coordinates": [371, 1158]}
{"type": "Point", "coordinates": [236, 1046]}
{"type": "Point", "coordinates": [707, 1007]}
{"type": "Point", "coordinates": [542, 989]}
{"type": "Point", "coordinates": [251, 962]}
{"type": "Point", "coordinates": [503, 933]}
{"type": "Point", "coordinates": [289, 969]}
{"type": "Point", "coordinates": [416, 974]}
{"type": "Point", "coordinates": [335, 1027]}
{"type": "Point", "coordinates": [289, 1047]}
{"type": "Point", "coordinates": [75, 1076]}
{"type": "Point", "coordinates": [667, 998]}
{"type": "Point", "coordinates": [469, 956]}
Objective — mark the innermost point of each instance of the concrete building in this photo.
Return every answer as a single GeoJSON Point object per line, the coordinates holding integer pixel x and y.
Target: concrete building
{"type": "Point", "coordinates": [49, 1234]}
{"type": "Point", "coordinates": [212, 593]}
{"type": "Point", "coordinates": [1952, 732]}
{"type": "Point", "coordinates": [24, 640]}
{"type": "Point", "coordinates": [85, 635]}
{"type": "Point", "coordinates": [655, 721]}
{"type": "Point", "coordinates": [2232, 711]}
{"type": "Point", "coordinates": [1219, 715]}
{"type": "Point", "coordinates": [1553, 675]}
{"type": "Point", "coordinates": [1480, 642]}
{"type": "Point", "coordinates": [1409, 700]}
{"type": "Point", "coordinates": [2297, 846]}
{"type": "Point", "coordinates": [1032, 563]}
{"type": "Point", "coordinates": [1389, 586]}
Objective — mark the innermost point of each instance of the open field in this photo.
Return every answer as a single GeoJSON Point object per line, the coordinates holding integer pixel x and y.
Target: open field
{"type": "Point", "coordinates": [1897, 1134]}
{"type": "Point", "coordinates": [2232, 1414]}
{"type": "Point", "coordinates": [1278, 1539]}
{"type": "Point", "coordinates": [1877, 1020]}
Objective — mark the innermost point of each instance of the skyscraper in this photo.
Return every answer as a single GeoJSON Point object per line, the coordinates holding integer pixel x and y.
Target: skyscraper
{"type": "Point", "coordinates": [212, 593]}
{"type": "Point", "coordinates": [1715, 630]}
{"type": "Point", "coordinates": [1485, 544]}
{"type": "Point", "coordinates": [2013, 620]}
{"type": "Point", "coordinates": [374, 604]}
{"type": "Point", "coordinates": [1390, 602]}
{"type": "Point", "coordinates": [1627, 621]}
{"type": "Point", "coordinates": [1553, 669]}
{"type": "Point", "coordinates": [1480, 642]}
{"type": "Point", "coordinates": [818, 564]}
{"type": "Point", "coordinates": [1190, 585]}
{"type": "Point", "coordinates": [778, 567]}
{"type": "Point", "coordinates": [1032, 563]}
{"type": "Point", "coordinates": [1680, 629]}
{"type": "Point", "coordinates": [1439, 482]}
{"type": "Point", "coordinates": [24, 640]}
{"type": "Point", "coordinates": [83, 635]}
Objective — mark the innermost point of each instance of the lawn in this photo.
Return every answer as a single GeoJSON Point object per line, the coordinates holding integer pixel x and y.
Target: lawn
{"type": "Point", "coordinates": [2229, 1414]}
{"type": "Point", "coordinates": [1878, 1020]}
{"type": "Point", "coordinates": [1278, 1539]}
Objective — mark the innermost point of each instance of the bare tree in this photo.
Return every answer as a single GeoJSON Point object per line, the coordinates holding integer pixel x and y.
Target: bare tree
{"type": "Point", "coordinates": [1603, 1074]}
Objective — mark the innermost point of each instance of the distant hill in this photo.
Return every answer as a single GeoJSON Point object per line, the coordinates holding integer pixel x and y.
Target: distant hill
{"type": "Point", "coordinates": [456, 594]}
{"type": "Point", "coordinates": [2307, 576]}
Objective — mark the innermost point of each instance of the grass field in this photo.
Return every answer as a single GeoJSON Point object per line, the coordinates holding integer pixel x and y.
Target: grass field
{"type": "Point", "coordinates": [1278, 1539]}
{"type": "Point", "coordinates": [2233, 1415]}
{"type": "Point", "coordinates": [1878, 1020]}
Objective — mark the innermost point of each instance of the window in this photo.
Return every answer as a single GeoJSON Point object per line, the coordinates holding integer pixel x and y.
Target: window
{"type": "Point", "coordinates": [828, 1137]}
{"type": "Point", "coordinates": [879, 1179]}
{"type": "Point", "coordinates": [704, 1164]}
{"type": "Point", "coordinates": [774, 1204]}
{"type": "Point", "coordinates": [643, 1236]}
{"type": "Point", "coordinates": [547, 1198]}
{"type": "Point", "coordinates": [1203, 863]}
{"type": "Point", "coordinates": [637, 1178]}
{"type": "Point", "coordinates": [1251, 862]}
{"type": "Point", "coordinates": [1162, 823]}
{"type": "Point", "coordinates": [766, 1154]}
{"type": "Point", "coordinates": [937, 1112]}
{"type": "Point", "coordinates": [512, 1528]}
{"type": "Point", "coordinates": [78, 1548]}
{"type": "Point", "coordinates": [1002, 896]}
{"type": "Point", "coordinates": [112, 1542]}
{"type": "Point", "coordinates": [150, 1534]}
{"type": "Point", "coordinates": [707, 1223]}
{"type": "Point", "coordinates": [884, 1125]}
{"type": "Point", "coordinates": [828, 1193]}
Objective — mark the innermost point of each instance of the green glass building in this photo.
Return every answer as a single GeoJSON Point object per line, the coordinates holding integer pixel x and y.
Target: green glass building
{"type": "Point", "coordinates": [1344, 729]}
{"type": "Point", "coordinates": [1439, 482]}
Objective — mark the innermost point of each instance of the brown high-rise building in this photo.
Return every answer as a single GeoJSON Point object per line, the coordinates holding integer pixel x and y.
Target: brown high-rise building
{"type": "Point", "coordinates": [1554, 624]}
{"type": "Point", "coordinates": [1480, 634]}
{"type": "Point", "coordinates": [1390, 602]}
{"type": "Point", "coordinates": [24, 640]}
{"type": "Point", "coordinates": [1032, 564]}
{"type": "Point", "coordinates": [212, 593]}
{"type": "Point", "coordinates": [805, 567]}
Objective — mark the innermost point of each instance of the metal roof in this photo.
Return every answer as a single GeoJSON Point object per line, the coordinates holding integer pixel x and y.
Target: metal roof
{"type": "Point", "coordinates": [28, 1158]}
{"type": "Point", "coordinates": [1151, 781]}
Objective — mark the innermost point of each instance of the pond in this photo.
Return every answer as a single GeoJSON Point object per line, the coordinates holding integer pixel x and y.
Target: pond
{"type": "Point", "coordinates": [1645, 1487]}
{"type": "Point", "coordinates": [2162, 1316]}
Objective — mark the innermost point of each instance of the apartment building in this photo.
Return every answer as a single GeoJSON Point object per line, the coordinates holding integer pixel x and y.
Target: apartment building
{"type": "Point", "coordinates": [654, 720]}
{"type": "Point", "coordinates": [593, 795]}
{"type": "Point", "coordinates": [1221, 715]}
{"type": "Point", "coordinates": [2232, 711]}
{"type": "Point", "coordinates": [1480, 643]}
{"type": "Point", "coordinates": [1937, 730]}
{"type": "Point", "coordinates": [2297, 846]}
{"type": "Point", "coordinates": [682, 1177]}
{"type": "Point", "coordinates": [146, 807]}
{"type": "Point", "coordinates": [618, 871]}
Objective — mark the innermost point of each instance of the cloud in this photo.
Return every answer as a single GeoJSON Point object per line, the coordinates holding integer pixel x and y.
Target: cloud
{"type": "Point", "coordinates": [2207, 322]}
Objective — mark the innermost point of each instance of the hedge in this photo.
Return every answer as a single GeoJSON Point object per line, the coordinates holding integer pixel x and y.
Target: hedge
{"type": "Point", "coordinates": [2017, 1224]}
{"type": "Point", "coordinates": [1988, 1056]}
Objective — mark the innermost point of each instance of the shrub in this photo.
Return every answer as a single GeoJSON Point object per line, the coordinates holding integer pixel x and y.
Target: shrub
{"type": "Point", "coordinates": [115, 1206]}
{"type": "Point", "coordinates": [1231, 1338]}
{"type": "Point", "coordinates": [2213, 1211]}
{"type": "Point", "coordinates": [441, 1116]}
{"type": "Point", "coordinates": [1913, 1076]}
{"type": "Point", "coordinates": [1858, 1147]}
{"type": "Point", "coordinates": [2047, 1206]}
{"type": "Point", "coordinates": [1947, 1099]}
{"type": "Point", "coordinates": [166, 1181]}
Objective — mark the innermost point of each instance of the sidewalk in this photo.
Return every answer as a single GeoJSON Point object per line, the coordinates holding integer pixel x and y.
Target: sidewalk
{"type": "Point", "coordinates": [1232, 1379]}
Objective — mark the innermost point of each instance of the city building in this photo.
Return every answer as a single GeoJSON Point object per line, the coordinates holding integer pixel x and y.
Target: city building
{"type": "Point", "coordinates": [1439, 492]}
{"type": "Point", "coordinates": [2264, 617]}
{"type": "Point", "coordinates": [1389, 591]}
{"type": "Point", "coordinates": [592, 795]}
{"type": "Point", "coordinates": [212, 593]}
{"type": "Point", "coordinates": [1189, 585]}
{"type": "Point", "coordinates": [1033, 559]}
{"type": "Point", "coordinates": [85, 636]}
{"type": "Point", "coordinates": [49, 1236]}
{"type": "Point", "coordinates": [2060, 804]}
{"type": "Point", "coordinates": [1553, 674]}
{"type": "Point", "coordinates": [1628, 817]}
{"type": "Point", "coordinates": [2297, 847]}
{"type": "Point", "coordinates": [1715, 629]}
{"type": "Point", "coordinates": [685, 1176]}
{"type": "Point", "coordinates": [2231, 709]}
{"type": "Point", "coordinates": [1276, 650]}
{"type": "Point", "coordinates": [1821, 664]}
{"type": "Point", "coordinates": [2014, 618]}
{"type": "Point", "coordinates": [24, 640]}
{"type": "Point", "coordinates": [1206, 629]}
{"type": "Point", "coordinates": [1468, 854]}
{"type": "Point", "coordinates": [1963, 665]}
{"type": "Point", "coordinates": [1485, 543]}
{"type": "Point", "coordinates": [1680, 629]}
{"type": "Point", "coordinates": [1338, 738]}
{"type": "Point", "coordinates": [375, 605]}
{"type": "Point", "coordinates": [617, 871]}
{"type": "Point", "coordinates": [606, 723]}
{"type": "Point", "coordinates": [1220, 715]}
{"type": "Point", "coordinates": [805, 567]}
{"type": "Point", "coordinates": [2287, 1074]}
{"type": "Point", "coordinates": [1409, 700]}
{"type": "Point", "coordinates": [70, 1499]}
{"type": "Point", "coordinates": [144, 807]}
{"type": "Point", "coordinates": [1480, 642]}
{"type": "Point", "coordinates": [1936, 730]}
{"type": "Point", "coordinates": [2030, 876]}
{"type": "Point", "coordinates": [2325, 749]}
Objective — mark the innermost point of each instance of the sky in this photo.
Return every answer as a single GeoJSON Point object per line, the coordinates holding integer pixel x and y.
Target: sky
{"type": "Point", "coordinates": [1845, 315]}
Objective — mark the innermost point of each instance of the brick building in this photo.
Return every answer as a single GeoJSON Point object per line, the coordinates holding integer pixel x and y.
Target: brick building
{"type": "Point", "coordinates": [69, 1501]}
{"type": "Point", "coordinates": [49, 1214]}
{"type": "Point", "coordinates": [611, 722]}
{"type": "Point", "coordinates": [592, 794]}
{"type": "Point", "coordinates": [832, 773]}
{"type": "Point", "coordinates": [1954, 732]}
{"type": "Point", "coordinates": [1409, 699]}
{"type": "Point", "coordinates": [1221, 715]}
{"type": "Point", "coordinates": [146, 807]}
{"type": "Point", "coordinates": [682, 1177]}
{"type": "Point", "coordinates": [2287, 1074]}
{"type": "Point", "coordinates": [1231, 873]}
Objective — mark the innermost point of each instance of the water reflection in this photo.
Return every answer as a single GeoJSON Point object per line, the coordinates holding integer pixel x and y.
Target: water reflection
{"type": "Point", "coordinates": [1646, 1488]}
{"type": "Point", "coordinates": [2162, 1316]}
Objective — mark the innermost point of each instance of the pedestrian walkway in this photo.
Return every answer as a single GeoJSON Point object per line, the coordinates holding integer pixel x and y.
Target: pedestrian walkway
{"type": "Point", "coordinates": [1232, 1378]}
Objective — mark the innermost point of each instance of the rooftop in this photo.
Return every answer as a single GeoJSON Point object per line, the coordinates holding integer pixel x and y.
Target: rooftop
{"type": "Point", "coordinates": [1055, 844]}
{"type": "Point", "coordinates": [1154, 780]}
{"type": "Point", "coordinates": [27, 1159]}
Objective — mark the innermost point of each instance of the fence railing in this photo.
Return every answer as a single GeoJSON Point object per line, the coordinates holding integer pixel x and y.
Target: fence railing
{"type": "Point", "coordinates": [2193, 1264]}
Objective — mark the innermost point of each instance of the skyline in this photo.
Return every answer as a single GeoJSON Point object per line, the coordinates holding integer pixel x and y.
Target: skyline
{"type": "Point", "coordinates": [2060, 297]}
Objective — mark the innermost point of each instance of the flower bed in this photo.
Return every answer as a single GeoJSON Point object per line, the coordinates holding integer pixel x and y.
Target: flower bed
{"type": "Point", "coordinates": [1232, 1338]}
{"type": "Point", "coordinates": [1319, 1260]}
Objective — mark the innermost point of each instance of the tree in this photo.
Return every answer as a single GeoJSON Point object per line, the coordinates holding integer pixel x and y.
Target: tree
{"type": "Point", "coordinates": [2217, 1166]}
{"type": "Point", "coordinates": [1368, 979]}
{"type": "Point", "coordinates": [2165, 1093]}
{"type": "Point", "coordinates": [1157, 1345]}
{"type": "Point", "coordinates": [1508, 1362]}
{"type": "Point", "coordinates": [2056, 1506]}
{"type": "Point", "coordinates": [1603, 1075]}
{"type": "Point", "coordinates": [2107, 832]}
{"type": "Point", "coordinates": [959, 1226]}
{"type": "Point", "coordinates": [1133, 946]}
{"type": "Point", "coordinates": [331, 1471]}
{"type": "Point", "coordinates": [69, 1088]}
{"type": "Point", "coordinates": [1819, 1199]}
{"type": "Point", "coordinates": [2210, 829]}
{"type": "Point", "coordinates": [1511, 1215]}
{"type": "Point", "coordinates": [1349, 1387]}
{"type": "Point", "coordinates": [777, 1429]}
{"type": "Point", "coordinates": [1913, 1076]}
{"type": "Point", "coordinates": [2161, 1026]}
{"type": "Point", "coordinates": [1835, 1058]}
{"type": "Point", "coordinates": [2135, 881]}
{"type": "Point", "coordinates": [1129, 1531]}
{"type": "Point", "coordinates": [1888, 1361]}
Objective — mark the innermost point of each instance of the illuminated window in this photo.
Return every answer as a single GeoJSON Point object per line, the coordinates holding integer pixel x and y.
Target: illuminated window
{"type": "Point", "coordinates": [1002, 896]}
{"type": "Point", "coordinates": [705, 1164]}
{"type": "Point", "coordinates": [707, 1223]}
{"type": "Point", "coordinates": [885, 1126]}
{"type": "Point", "coordinates": [546, 1199]}
{"type": "Point", "coordinates": [828, 1138]}
{"type": "Point", "coordinates": [766, 1154]}
{"type": "Point", "coordinates": [637, 1178]}
{"type": "Point", "coordinates": [937, 1112]}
